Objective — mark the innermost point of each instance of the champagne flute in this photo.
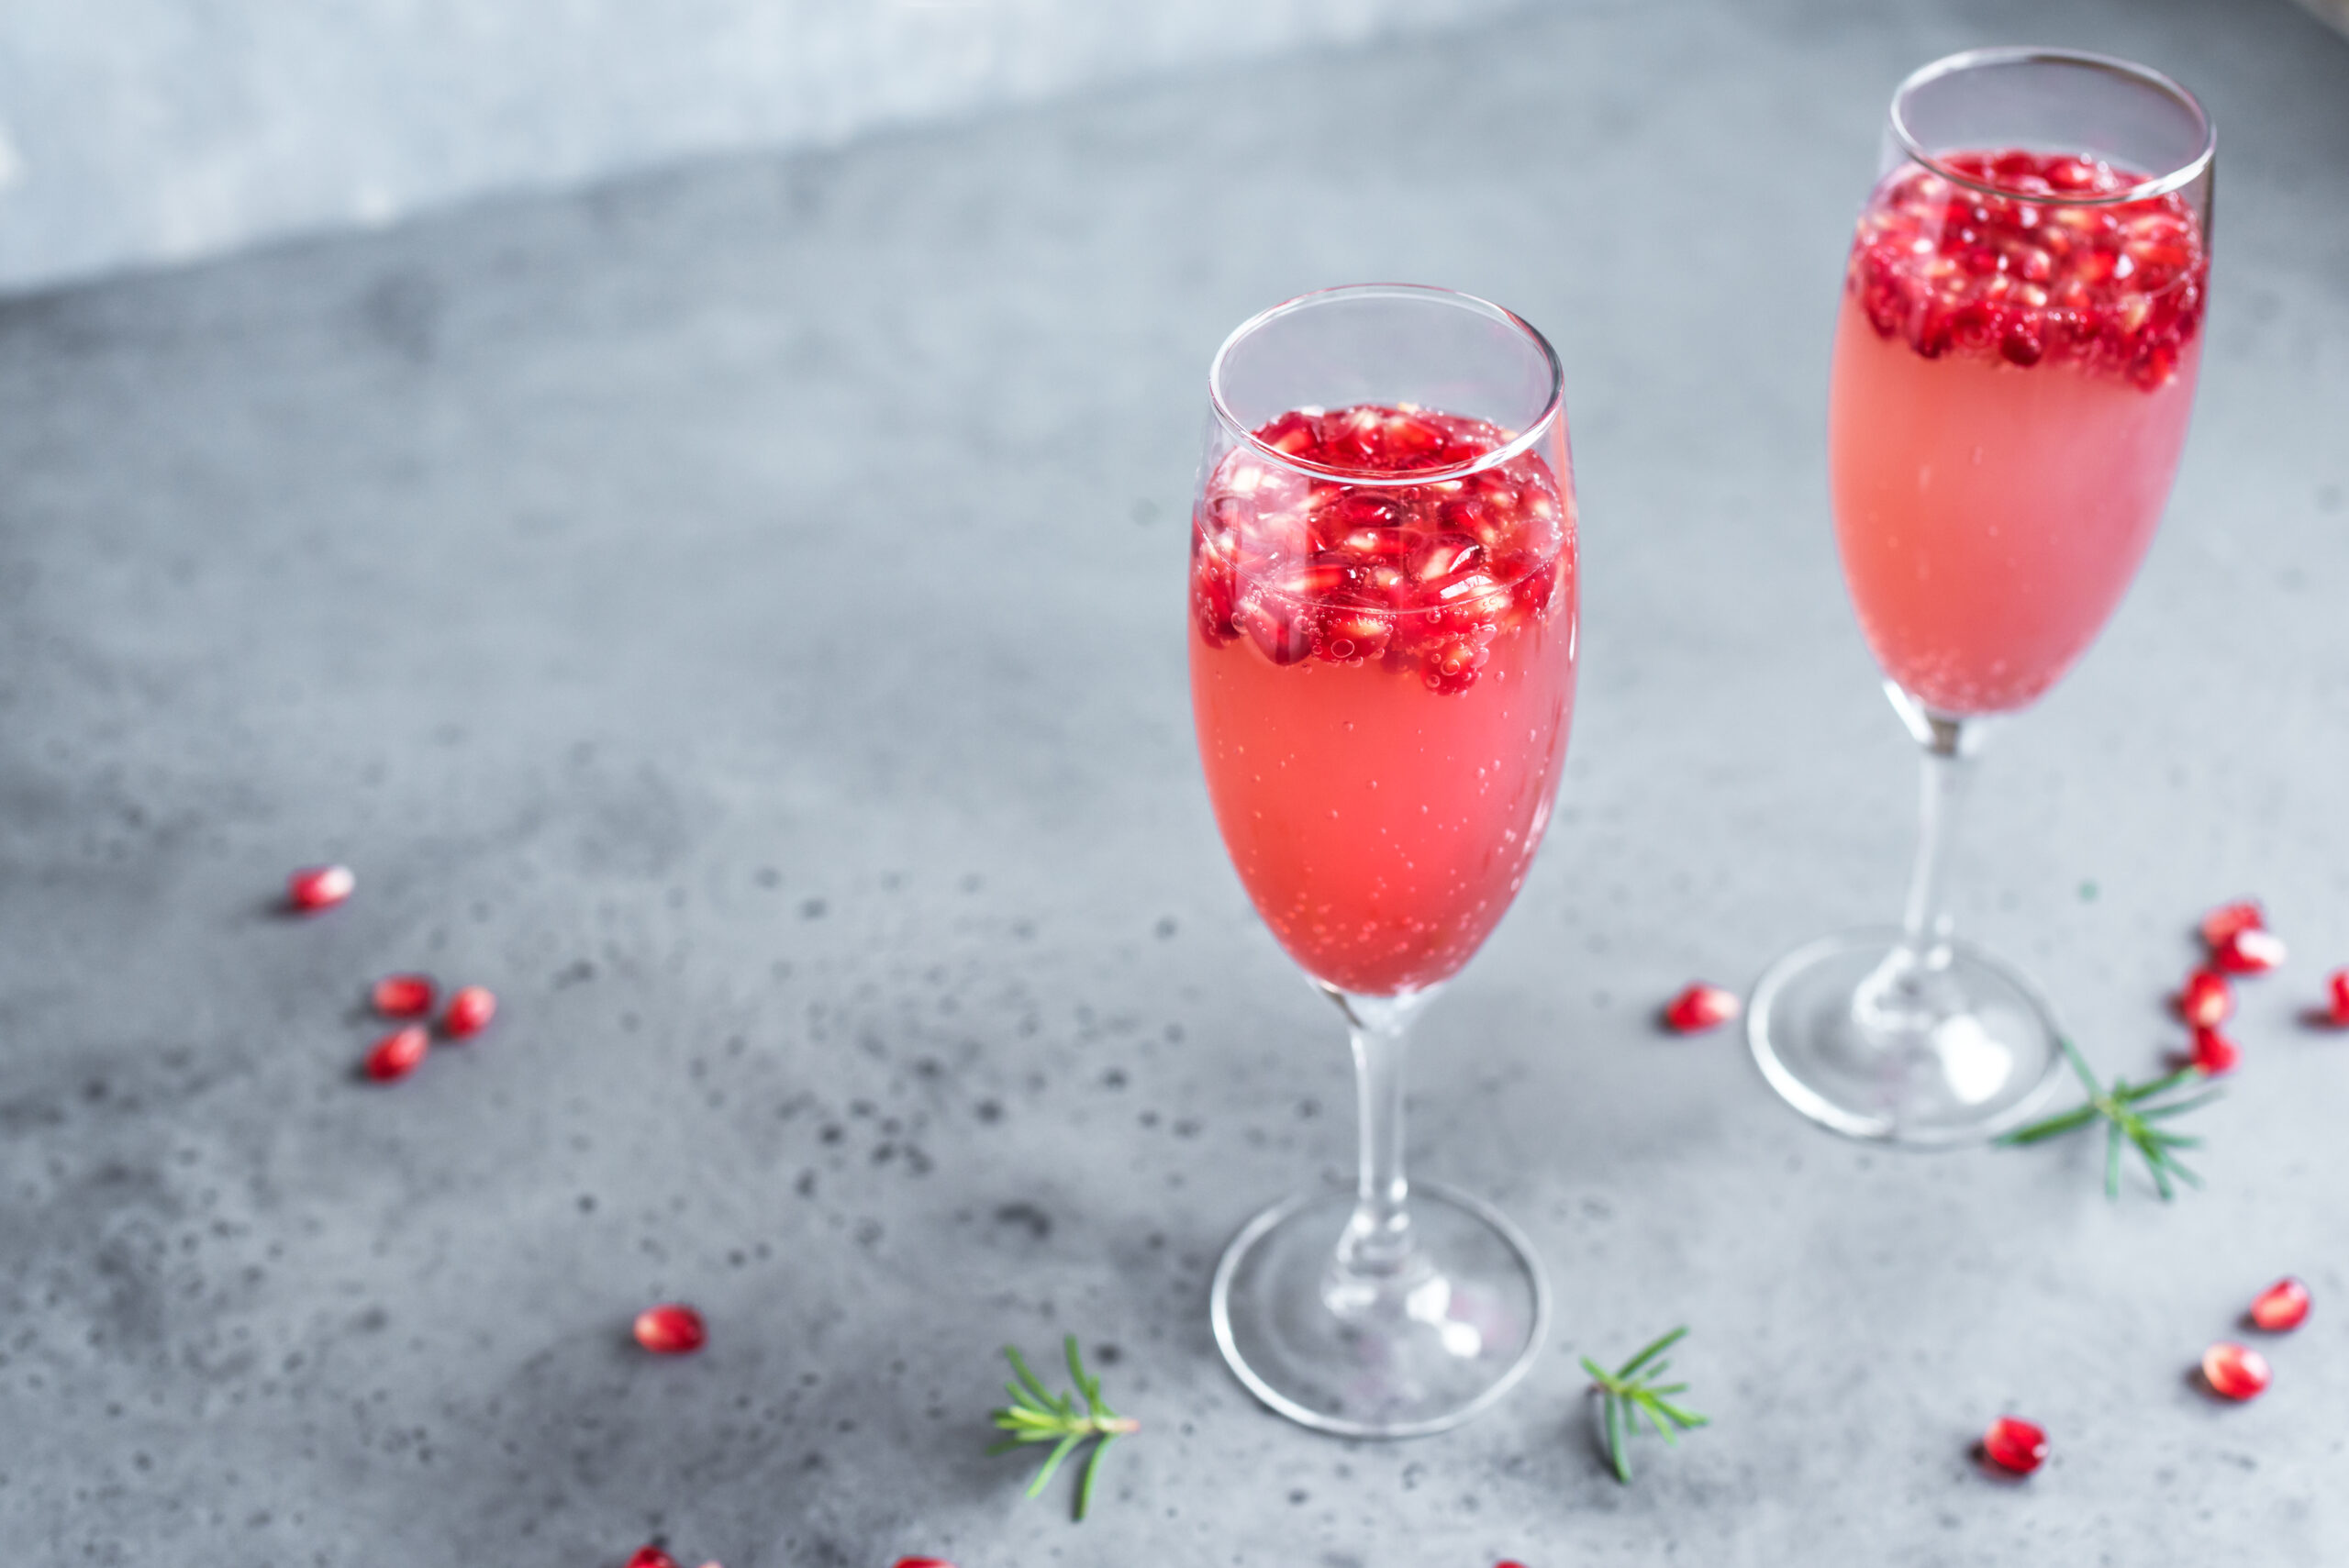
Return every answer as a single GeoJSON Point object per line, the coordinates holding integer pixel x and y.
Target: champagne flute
{"type": "Point", "coordinates": [1382, 650]}
{"type": "Point", "coordinates": [2014, 366]}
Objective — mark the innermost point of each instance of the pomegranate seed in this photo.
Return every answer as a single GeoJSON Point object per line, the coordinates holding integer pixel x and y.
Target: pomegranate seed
{"type": "Point", "coordinates": [403, 995]}
{"type": "Point", "coordinates": [923, 1563]}
{"type": "Point", "coordinates": [670, 1330]}
{"type": "Point", "coordinates": [2213, 1052]}
{"type": "Point", "coordinates": [652, 1557]}
{"type": "Point", "coordinates": [1700, 1007]}
{"type": "Point", "coordinates": [2252, 950]}
{"type": "Point", "coordinates": [2282, 1306]}
{"type": "Point", "coordinates": [2339, 1012]}
{"type": "Point", "coordinates": [470, 1011]}
{"type": "Point", "coordinates": [398, 1053]}
{"type": "Point", "coordinates": [1274, 624]}
{"type": "Point", "coordinates": [2221, 924]}
{"type": "Point", "coordinates": [314, 888]}
{"type": "Point", "coordinates": [1346, 634]}
{"type": "Point", "coordinates": [2014, 1445]}
{"type": "Point", "coordinates": [2206, 1001]}
{"type": "Point", "coordinates": [2235, 1371]}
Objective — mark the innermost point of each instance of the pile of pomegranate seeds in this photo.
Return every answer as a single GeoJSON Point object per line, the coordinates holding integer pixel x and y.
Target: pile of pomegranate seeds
{"type": "Point", "coordinates": [403, 1051]}
{"type": "Point", "coordinates": [2014, 1445]}
{"type": "Point", "coordinates": [2235, 1371]}
{"type": "Point", "coordinates": [314, 888]}
{"type": "Point", "coordinates": [1700, 1007]}
{"type": "Point", "coordinates": [2282, 1306]}
{"type": "Point", "coordinates": [402, 995]}
{"type": "Point", "coordinates": [671, 1330]}
{"type": "Point", "coordinates": [2239, 943]}
{"type": "Point", "coordinates": [1421, 578]}
{"type": "Point", "coordinates": [398, 1053]}
{"type": "Point", "coordinates": [2030, 274]}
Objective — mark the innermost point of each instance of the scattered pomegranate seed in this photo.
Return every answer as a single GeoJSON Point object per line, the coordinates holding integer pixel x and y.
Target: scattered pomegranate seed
{"type": "Point", "coordinates": [398, 1053]}
{"type": "Point", "coordinates": [2206, 1000]}
{"type": "Point", "coordinates": [2235, 1371]}
{"type": "Point", "coordinates": [2213, 1052]}
{"type": "Point", "coordinates": [314, 888]}
{"type": "Point", "coordinates": [2282, 1306]}
{"type": "Point", "coordinates": [670, 1330]}
{"type": "Point", "coordinates": [652, 1557]}
{"type": "Point", "coordinates": [1700, 1007]}
{"type": "Point", "coordinates": [2339, 1012]}
{"type": "Point", "coordinates": [470, 1011]}
{"type": "Point", "coordinates": [923, 1563]}
{"type": "Point", "coordinates": [2252, 950]}
{"type": "Point", "coordinates": [403, 995]}
{"type": "Point", "coordinates": [2014, 1445]}
{"type": "Point", "coordinates": [2220, 925]}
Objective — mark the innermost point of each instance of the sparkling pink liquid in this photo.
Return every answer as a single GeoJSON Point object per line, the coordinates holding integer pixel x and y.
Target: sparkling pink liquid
{"type": "Point", "coordinates": [1383, 828]}
{"type": "Point", "coordinates": [2008, 398]}
{"type": "Point", "coordinates": [1991, 516]}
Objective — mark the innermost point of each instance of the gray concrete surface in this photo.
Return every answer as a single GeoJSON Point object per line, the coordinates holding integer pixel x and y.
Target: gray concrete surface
{"type": "Point", "coordinates": [140, 132]}
{"type": "Point", "coordinates": [738, 616]}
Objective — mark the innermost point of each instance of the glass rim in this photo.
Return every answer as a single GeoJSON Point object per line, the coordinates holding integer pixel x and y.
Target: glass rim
{"type": "Point", "coordinates": [1553, 406]}
{"type": "Point", "coordinates": [2160, 184]}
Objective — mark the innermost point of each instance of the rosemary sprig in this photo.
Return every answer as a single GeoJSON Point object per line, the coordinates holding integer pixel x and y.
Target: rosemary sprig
{"type": "Point", "coordinates": [1632, 1387]}
{"type": "Point", "coordinates": [2130, 1121]}
{"type": "Point", "coordinates": [1035, 1416]}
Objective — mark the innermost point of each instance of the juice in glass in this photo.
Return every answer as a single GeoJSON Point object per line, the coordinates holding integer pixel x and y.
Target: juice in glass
{"type": "Point", "coordinates": [2012, 376]}
{"type": "Point", "coordinates": [1383, 676]}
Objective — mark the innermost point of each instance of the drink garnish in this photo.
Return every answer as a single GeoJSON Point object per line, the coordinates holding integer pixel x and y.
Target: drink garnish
{"type": "Point", "coordinates": [1036, 1415]}
{"type": "Point", "coordinates": [2130, 1120]}
{"type": "Point", "coordinates": [1632, 1388]}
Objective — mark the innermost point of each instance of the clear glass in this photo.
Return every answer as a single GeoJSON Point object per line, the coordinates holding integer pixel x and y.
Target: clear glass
{"type": "Point", "coordinates": [1382, 649]}
{"type": "Point", "coordinates": [2014, 365]}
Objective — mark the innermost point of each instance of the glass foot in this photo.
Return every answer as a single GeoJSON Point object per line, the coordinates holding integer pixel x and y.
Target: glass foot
{"type": "Point", "coordinates": [1419, 1354]}
{"type": "Point", "coordinates": [1859, 1039]}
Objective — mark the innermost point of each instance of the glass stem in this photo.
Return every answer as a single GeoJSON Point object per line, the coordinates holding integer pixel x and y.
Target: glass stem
{"type": "Point", "coordinates": [1949, 745]}
{"type": "Point", "coordinates": [1377, 1245]}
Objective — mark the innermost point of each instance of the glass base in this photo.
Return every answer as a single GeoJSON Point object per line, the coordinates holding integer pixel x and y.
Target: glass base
{"type": "Point", "coordinates": [1860, 1039]}
{"type": "Point", "coordinates": [1413, 1354]}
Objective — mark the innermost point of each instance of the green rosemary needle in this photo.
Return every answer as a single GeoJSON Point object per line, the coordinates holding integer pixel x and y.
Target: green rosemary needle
{"type": "Point", "coordinates": [1631, 1387]}
{"type": "Point", "coordinates": [1035, 1416]}
{"type": "Point", "coordinates": [2130, 1121]}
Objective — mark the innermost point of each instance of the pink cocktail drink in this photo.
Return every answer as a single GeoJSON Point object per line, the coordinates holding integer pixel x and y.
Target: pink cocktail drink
{"type": "Point", "coordinates": [2012, 376]}
{"type": "Point", "coordinates": [1383, 677]}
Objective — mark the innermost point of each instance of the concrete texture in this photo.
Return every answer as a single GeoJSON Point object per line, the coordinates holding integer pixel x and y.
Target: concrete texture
{"type": "Point", "coordinates": [134, 132]}
{"type": "Point", "coordinates": [737, 616]}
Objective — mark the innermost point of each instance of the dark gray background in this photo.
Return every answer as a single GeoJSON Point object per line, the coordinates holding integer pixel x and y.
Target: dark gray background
{"type": "Point", "coordinates": [737, 616]}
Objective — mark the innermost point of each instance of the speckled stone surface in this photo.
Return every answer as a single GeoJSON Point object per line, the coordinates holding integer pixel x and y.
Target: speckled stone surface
{"type": "Point", "coordinates": [738, 616]}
